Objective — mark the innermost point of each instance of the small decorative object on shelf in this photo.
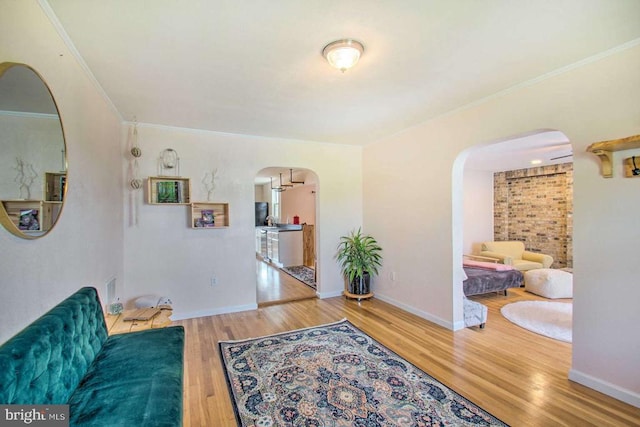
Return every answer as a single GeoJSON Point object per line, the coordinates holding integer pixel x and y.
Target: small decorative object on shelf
{"type": "Point", "coordinates": [115, 307]}
{"type": "Point", "coordinates": [169, 161]}
{"type": "Point", "coordinates": [29, 220]}
{"type": "Point", "coordinates": [209, 215]}
{"type": "Point", "coordinates": [168, 190]}
{"type": "Point", "coordinates": [208, 219]}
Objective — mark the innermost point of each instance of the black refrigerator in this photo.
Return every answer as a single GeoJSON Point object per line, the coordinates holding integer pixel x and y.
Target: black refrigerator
{"type": "Point", "coordinates": [262, 210]}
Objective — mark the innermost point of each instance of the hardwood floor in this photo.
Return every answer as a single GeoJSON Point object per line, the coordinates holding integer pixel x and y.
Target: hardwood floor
{"type": "Point", "coordinates": [276, 287]}
{"type": "Point", "coordinates": [518, 376]}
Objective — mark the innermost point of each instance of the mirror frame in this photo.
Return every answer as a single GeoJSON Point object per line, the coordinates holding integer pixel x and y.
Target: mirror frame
{"type": "Point", "coordinates": [5, 220]}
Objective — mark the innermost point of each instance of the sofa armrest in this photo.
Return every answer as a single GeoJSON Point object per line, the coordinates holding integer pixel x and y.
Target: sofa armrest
{"type": "Point", "coordinates": [545, 260]}
{"type": "Point", "coordinates": [505, 259]}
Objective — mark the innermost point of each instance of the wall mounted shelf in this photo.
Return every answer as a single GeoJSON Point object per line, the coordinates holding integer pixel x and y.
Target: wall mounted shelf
{"type": "Point", "coordinates": [208, 215]}
{"type": "Point", "coordinates": [54, 186]}
{"type": "Point", "coordinates": [168, 190]}
{"type": "Point", "coordinates": [30, 216]}
{"type": "Point", "coordinates": [604, 150]}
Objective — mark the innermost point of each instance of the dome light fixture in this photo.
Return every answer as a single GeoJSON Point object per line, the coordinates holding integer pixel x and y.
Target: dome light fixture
{"type": "Point", "coordinates": [343, 54]}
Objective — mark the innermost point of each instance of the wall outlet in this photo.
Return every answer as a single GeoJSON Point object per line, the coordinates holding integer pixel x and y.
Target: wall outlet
{"type": "Point", "coordinates": [392, 276]}
{"type": "Point", "coordinates": [214, 280]}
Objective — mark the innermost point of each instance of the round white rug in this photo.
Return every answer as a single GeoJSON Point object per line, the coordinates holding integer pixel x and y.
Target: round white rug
{"type": "Point", "coordinates": [551, 319]}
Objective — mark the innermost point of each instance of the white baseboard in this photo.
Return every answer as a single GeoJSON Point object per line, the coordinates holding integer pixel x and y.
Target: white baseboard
{"type": "Point", "coordinates": [624, 395]}
{"type": "Point", "coordinates": [212, 312]}
{"type": "Point", "coordinates": [459, 325]}
{"type": "Point", "coordinates": [420, 313]}
{"type": "Point", "coordinates": [323, 295]}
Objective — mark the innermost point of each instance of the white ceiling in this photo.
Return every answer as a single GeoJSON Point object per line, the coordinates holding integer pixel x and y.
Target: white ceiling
{"type": "Point", "coordinates": [255, 66]}
{"type": "Point", "coordinates": [547, 148]}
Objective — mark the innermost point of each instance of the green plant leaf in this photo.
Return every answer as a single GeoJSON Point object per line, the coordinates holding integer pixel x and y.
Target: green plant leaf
{"type": "Point", "coordinates": [358, 254]}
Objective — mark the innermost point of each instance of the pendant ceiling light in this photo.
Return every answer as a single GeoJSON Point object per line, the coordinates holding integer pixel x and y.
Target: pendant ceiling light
{"type": "Point", "coordinates": [343, 54]}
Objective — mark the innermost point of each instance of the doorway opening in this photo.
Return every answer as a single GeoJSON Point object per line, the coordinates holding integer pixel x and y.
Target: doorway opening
{"type": "Point", "coordinates": [286, 226]}
{"type": "Point", "coordinates": [516, 189]}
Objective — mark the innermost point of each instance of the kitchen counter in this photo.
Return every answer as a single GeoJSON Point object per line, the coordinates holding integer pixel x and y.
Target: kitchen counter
{"type": "Point", "coordinates": [282, 227]}
{"type": "Point", "coordinates": [280, 245]}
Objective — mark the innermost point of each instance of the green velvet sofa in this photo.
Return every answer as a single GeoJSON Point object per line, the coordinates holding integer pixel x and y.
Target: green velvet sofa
{"type": "Point", "coordinates": [66, 357]}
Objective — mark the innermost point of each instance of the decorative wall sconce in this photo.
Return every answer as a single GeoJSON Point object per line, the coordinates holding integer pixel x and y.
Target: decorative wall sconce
{"type": "Point", "coordinates": [169, 161]}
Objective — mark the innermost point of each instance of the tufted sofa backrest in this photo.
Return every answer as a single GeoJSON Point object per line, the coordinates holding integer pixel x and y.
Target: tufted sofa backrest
{"type": "Point", "coordinates": [44, 363]}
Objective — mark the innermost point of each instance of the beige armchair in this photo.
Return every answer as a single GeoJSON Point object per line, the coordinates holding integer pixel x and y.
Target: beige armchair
{"type": "Point", "coordinates": [513, 253]}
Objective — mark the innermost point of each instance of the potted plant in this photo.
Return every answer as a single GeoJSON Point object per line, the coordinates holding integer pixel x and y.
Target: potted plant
{"type": "Point", "coordinates": [359, 256]}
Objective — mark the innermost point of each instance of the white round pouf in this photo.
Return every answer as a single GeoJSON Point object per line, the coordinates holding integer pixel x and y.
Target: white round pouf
{"type": "Point", "coordinates": [549, 283]}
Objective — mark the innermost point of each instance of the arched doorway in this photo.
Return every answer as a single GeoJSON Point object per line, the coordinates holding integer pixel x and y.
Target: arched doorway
{"type": "Point", "coordinates": [286, 226]}
{"type": "Point", "coordinates": [518, 188]}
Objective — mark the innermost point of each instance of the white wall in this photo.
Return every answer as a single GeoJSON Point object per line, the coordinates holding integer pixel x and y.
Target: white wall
{"type": "Point", "coordinates": [410, 178]}
{"type": "Point", "coordinates": [408, 181]}
{"type": "Point", "coordinates": [300, 201]}
{"type": "Point", "coordinates": [263, 193]}
{"type": "Point", "coordinates": [478, 209]}
{"type": "Point", "coordinates": [164, 256]}
{"type": "Point", "coordinates": [35, 139]}
{"type": "Point", "coordinates": [85, 247]}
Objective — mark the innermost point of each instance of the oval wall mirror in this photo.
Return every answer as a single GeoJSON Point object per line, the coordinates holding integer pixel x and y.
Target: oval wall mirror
{"type": "Point", "coordinates": [33, 164]}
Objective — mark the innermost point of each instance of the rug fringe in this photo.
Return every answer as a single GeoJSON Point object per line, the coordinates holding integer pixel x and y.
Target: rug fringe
{"type": "Point", "coordinates": [344, 319]}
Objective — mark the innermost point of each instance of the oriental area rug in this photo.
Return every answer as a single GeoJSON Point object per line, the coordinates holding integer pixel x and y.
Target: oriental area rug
{"type": "Point", "coordinates": [303, 273]}
{"type": "Point", "coordinates": [336, 375]}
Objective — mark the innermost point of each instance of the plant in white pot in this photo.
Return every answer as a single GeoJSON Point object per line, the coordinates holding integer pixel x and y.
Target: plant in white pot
{"type": "Point", "coordinates": [359, 256]}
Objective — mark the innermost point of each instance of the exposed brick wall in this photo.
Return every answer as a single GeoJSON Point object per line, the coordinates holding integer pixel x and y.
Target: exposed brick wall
{"type": "Point", "coordinates": [535, 206]}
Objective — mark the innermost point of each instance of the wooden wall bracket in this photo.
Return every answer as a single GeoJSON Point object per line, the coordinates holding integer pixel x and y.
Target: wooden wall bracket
{"type": "Point", "coordinates": [604, 150]}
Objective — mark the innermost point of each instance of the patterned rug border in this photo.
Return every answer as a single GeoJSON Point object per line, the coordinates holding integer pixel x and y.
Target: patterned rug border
{"type": "Point", "coordinates": [338, 322]}
{"type": "Point", "coordinates": [311, 284]}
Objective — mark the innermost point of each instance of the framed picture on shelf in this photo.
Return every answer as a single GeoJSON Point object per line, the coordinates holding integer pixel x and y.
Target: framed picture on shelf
{"type": "Point", "coordinates": [168, 192]}
{"type": "Point", "coordinates": [29, 220]}
{"type": "Point", "coordinates": [208, 215]}
{"type": "Point", "coordinates": [207, 218]}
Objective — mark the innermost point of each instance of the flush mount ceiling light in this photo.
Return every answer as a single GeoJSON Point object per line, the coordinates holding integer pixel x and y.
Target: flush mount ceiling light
{"type": "Point", "coordinates": [343, 54]}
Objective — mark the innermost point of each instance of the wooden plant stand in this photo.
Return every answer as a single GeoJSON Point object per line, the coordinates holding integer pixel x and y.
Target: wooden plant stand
{"type": "Point", "coordinates": [357, 296]}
